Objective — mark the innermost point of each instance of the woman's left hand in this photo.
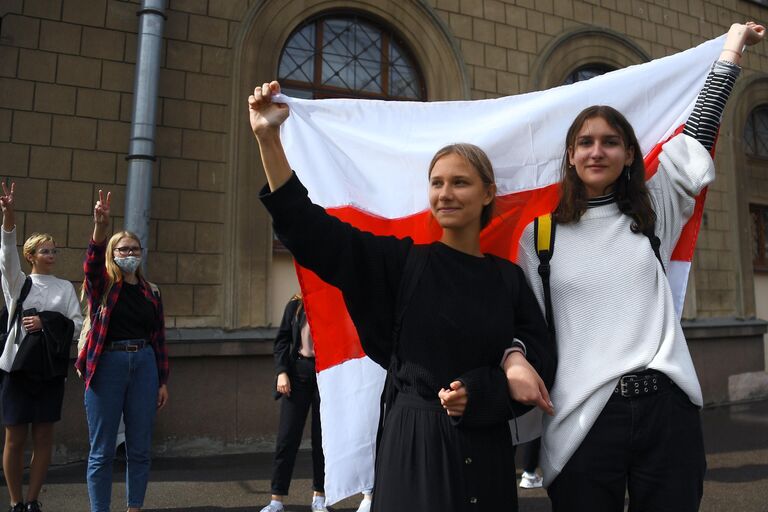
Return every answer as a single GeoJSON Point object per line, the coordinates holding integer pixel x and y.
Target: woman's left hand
{"type": "Point", "coordinates": [741, 35]}
{"type": "Point", "coordinates": [754, 33]}
{"type": "Point", "coordinates": [454, 400]}
{"type": "Point", "coordinates": [162, 396]}
{"type": "Point", "coordinates": [32, 323]}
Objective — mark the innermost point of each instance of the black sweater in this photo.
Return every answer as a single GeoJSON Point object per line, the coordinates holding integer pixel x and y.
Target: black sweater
{"type": "Point", "coordinates": [461, 318]}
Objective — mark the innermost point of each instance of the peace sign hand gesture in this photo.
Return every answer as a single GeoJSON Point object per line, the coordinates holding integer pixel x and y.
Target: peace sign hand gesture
{"type": "Point", "coordinates": [101, 209]}
{"type": "Point", "coordinates": [6, 200]}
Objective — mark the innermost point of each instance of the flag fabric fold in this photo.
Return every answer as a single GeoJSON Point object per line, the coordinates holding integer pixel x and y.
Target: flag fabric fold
{"type": "Point", "coordinates": [366, 161]}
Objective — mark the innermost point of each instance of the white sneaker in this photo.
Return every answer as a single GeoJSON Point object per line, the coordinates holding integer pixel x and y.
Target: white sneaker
{"type": "Point", "coordinates": [318, 506]}
{"type": "Point", "coordinates": [531, 480]}
{"type": "Point", "coordinates": [365, 506]}
{"type": "Point", "coordinates": [273, 508]}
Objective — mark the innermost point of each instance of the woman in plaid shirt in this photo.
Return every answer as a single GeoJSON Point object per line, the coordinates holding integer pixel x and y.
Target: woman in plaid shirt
{"type": "Point", "coordinates": [124, 362]}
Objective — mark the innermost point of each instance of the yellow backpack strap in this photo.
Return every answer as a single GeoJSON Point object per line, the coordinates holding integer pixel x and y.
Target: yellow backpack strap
{"type": "Point", "coordinates": [544, 233]}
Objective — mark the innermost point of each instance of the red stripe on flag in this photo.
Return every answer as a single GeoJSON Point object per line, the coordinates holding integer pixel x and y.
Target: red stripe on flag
{"type": "Point", "coordinates": [334, 334]}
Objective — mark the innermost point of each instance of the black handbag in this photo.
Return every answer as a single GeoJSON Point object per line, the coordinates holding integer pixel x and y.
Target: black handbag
{"type": "Point", "coordinates": [16, 312]}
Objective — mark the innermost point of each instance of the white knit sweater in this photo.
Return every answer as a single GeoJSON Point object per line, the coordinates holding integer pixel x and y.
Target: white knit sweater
{"type": "Point", "coordinates": [612, 305]}
{"type": "Point", "coordinates": [48, 293]}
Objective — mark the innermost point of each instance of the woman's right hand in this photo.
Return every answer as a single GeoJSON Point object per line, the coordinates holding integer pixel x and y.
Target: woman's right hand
{"type": "Point", "coordinates": [284, 384]}
{"type": "Point", "coordinates": [7, 204]}
{"type": "Point", "coordinates": [101, 209]}
{"type": "Point", "coordinates": [6, 200]}
{"type": "Point", "coordinates": [266, 115]}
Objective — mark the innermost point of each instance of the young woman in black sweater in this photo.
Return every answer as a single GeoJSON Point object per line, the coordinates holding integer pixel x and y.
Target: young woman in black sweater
{"type": "Point", "coordinates": [473, 349]}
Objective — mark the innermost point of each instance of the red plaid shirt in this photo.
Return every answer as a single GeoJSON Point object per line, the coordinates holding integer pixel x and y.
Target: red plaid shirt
{"type": "Point", "coordinates": [95, 283]}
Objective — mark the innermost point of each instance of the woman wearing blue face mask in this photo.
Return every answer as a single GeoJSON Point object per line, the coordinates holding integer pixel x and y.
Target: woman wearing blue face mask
{"type": "Point", "coordinates": [124, 362]}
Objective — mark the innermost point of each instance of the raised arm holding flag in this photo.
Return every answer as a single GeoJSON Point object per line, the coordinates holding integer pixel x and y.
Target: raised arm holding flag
{"type": "Point", "coordinates": [469, 342]}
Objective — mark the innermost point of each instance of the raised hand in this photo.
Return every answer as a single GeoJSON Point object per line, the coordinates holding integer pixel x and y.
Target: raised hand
{"type": "Point", "coordinates": [101, 217]}
{"type": "Point", "coordinates": [754, 33]}
{"type": "Point", "coordinates": [741, 35]}
{"type": "Point", "coordinates": [6, 200]}
{"type": "Point", "coordinates": [101, 209]}
{"type": "Point", "coordinates": [266, 115]}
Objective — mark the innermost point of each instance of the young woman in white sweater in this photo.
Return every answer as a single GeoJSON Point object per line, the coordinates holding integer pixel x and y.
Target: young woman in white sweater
{"type": "Point", "coordinates": [26, 399]}
{"type": "Point", "coordinates": [626, 394]}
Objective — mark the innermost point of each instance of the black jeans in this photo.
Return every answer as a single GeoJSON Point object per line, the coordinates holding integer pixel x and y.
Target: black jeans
{"type": "Point", "coordinates": [293, 415]}
{"type": "Point", "coordinates": [651, 446]}
{"type": "Point", "coordinates": [531, 455]}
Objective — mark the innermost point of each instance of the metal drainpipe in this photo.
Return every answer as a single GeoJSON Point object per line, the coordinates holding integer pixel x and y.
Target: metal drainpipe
{"type": "Point", "coordinates": [141, 152]}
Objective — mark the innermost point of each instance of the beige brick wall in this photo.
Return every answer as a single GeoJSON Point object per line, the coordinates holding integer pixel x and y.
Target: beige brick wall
{"type": "Point", "coordinates": [66, 81]}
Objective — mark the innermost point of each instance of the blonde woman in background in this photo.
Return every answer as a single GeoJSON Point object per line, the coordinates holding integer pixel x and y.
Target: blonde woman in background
{"type": "Point", "coordinates": [30, 395]}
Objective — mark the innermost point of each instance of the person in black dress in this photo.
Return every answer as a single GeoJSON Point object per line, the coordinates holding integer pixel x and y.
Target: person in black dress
{"type": "Point", "coordinates": [473, 349]}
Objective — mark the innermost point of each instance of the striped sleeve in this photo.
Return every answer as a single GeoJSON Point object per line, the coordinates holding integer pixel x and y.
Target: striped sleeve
{"type": "Point", "coordinates": [704, 121]}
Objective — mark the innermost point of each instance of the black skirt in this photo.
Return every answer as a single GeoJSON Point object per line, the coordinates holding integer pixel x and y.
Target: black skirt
{"type": "Point", "coordinates": [24, 400]}
{"type": "Point", "coordinates": [427, 463]}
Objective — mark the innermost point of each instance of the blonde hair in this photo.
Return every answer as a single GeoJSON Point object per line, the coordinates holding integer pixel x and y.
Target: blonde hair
{"type": "Point", "coordinates": [114, 274]}
{"type": "Point", "coordinates": [34, 242]}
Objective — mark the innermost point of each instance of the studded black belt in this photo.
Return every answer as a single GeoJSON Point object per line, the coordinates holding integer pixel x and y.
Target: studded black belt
{"type": "Point", "coordinates": [634, 385]}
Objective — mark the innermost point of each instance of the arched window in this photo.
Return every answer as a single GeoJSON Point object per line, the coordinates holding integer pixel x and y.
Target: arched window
{"type": "Point", "coordinates": [756, 132]}
{"type": "Point", "coordinates": [346, 55]}
{"type": "Point", "coordinates": [586, 72]}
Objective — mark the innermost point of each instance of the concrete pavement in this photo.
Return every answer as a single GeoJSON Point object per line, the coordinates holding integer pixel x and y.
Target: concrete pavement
{"type": "Point", "coordinates": [736, 438]}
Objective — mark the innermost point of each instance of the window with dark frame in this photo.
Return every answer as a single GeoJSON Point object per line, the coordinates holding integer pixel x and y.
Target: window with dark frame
{"type": "Point", "coordinates": [759, 217]}
{"type": "Point", "coordinates": [346, 55]}
{"type": "Point", "coordinates": [756, 132]}
{"type": "Point", "coordinates": [586, 72]}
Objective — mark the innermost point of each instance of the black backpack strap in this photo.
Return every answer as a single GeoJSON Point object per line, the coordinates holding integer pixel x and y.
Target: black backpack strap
{"type": "Point", "coordinates": [414, 266]}
{"type": "Point", "coordinates": [655, 245]}
{"type": "Point", "coordinates": [22, 296]}
{"type": "Point", "coordinates": [19, 307]}
{"type": "Point", "coordinates": [25, 290]}
{"type": "Point", "coordinates": [544, 238]}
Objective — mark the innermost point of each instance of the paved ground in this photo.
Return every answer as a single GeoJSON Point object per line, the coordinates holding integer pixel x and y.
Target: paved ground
{"type": "Point", "coordinates": [737, 478]}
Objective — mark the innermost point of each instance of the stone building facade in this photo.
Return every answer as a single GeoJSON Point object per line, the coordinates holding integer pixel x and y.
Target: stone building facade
{"type": "Point", "coordinates": [66, 83]}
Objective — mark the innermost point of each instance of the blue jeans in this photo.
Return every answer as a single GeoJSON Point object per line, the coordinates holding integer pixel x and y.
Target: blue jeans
{"type": "Point", "coordinates": [125, 383]}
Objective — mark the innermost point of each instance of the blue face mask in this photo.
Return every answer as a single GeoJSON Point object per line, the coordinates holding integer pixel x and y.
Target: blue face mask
{"type": "Point", "coordinates": [128, 264]}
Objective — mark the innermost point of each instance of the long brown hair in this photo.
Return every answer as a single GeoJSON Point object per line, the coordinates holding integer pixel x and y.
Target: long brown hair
{"type": "Point", "coordinates": [482, 164]}
{"type": "Point", "coordinates": [631, 194]}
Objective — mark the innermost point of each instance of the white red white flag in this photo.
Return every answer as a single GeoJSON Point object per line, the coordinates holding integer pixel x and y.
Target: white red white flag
{"type": "Point", "coordinates": [366, 162]}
